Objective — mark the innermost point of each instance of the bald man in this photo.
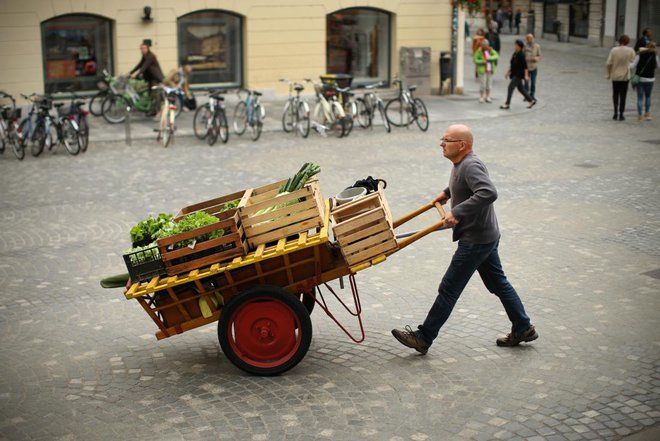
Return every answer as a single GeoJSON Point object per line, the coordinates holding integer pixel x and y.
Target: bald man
{"type": "Point", "coordinates": [532, 56]}
{"type": "Point", "coordinates": [472, 217]}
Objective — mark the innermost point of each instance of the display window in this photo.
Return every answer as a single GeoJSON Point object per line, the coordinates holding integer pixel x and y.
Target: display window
{"type": "Point", "coordinates": [358, 44]}
{"type": "Point", "coordinates": [76, 49]}
{"type": "Point", "coordinates": [211, 41]}
{"type": "Point", "coordinates": [579, 16]}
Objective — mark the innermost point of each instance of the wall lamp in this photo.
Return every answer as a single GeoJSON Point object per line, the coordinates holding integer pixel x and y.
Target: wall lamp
{"type": "Point", "coordinates": [146, 14]}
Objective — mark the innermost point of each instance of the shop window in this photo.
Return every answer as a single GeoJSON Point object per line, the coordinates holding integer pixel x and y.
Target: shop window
{"type": "Point", "coordinates": [549, 17]}
{"type": "Point", "coordinates": [76, 49]}
{"type": "Point", "coordinates": [579, 19]}
{"type": "Point", "coordinates": [358, 44]}
{"type": "Point", "coordinates": [211, 41]}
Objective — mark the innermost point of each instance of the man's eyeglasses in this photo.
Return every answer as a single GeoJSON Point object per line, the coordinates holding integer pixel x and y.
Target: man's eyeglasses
{"type": "Point", "coordinates": [446, 140]}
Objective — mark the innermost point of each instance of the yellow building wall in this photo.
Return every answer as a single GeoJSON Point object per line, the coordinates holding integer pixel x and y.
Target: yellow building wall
{"type": "Point", "coordinates": [281, 39]}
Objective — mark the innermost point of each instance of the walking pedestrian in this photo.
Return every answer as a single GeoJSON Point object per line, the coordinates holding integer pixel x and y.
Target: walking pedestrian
{"type": "Point", "coordinates": [493, 37]}
{"type": "Point", "coordinates": [532, 57]}
{"type": "Point", "coordinates": [485, 59]}
{"type": "Point", "coordinates": [472, 217]}
{"type": "Point", "coordinates": [644, 65]}
{"type": "Point", "coordinates": [645, 39]}
{"type": "Point", "coordinates": [476, 45]}
{"type": "Point", "coordinates": [517, 72]}
{"type": "Point", "coordinates": [618, 70]}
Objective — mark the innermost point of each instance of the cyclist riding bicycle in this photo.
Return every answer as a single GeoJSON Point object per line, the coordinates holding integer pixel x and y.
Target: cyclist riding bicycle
{"type": "Point", "coordinates": [179, 78]}
{"type": "Point", "coordinates": [150, 70]}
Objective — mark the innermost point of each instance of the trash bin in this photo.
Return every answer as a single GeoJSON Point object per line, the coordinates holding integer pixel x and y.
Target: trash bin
{"type": "Point", "coordinates": [556, 24]}
{"type": "Point", "coordinates": [445, 68]}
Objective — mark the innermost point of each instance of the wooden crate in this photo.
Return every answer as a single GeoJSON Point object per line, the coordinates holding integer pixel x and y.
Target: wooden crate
{"type": "Point", "coordinates": [213, 206]}
{"type": "Point", "coordinates": [182, 260]}
{"type": "Point", "coordinates": [296, 212]}
{"type": "Point", "coordinates": [363, 228]}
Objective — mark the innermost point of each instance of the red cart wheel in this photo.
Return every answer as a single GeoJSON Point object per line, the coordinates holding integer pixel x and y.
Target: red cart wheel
{"type": "Point", "coordinates": [265, 330]}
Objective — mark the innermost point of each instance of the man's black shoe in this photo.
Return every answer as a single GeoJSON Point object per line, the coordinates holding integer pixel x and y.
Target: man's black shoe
{"type": "Point", "coordinates": [529, 335]}
{"type": "Point", "coordinates": [622, 118]}
{"type": "Point", "coordinates": [408, 338]}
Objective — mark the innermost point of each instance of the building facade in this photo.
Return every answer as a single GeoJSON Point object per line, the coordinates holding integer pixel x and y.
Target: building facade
{"type": "Point", "coordinates": [597, 22]}
{"type": "Point", "coordinates": [55, 45]}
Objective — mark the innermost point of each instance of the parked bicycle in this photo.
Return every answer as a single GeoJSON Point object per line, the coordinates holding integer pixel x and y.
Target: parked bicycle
{"type": "Point", "coordinates": [51, 131]}
{"type": "Point", "coordinates": [26, 129]}
{"type": "Point", "coordinates": [405, 108]}
{"type": "Point", "coordinates": [9, 133]}
{"type": "Point", "coordinates": [167, 115]}
{"type": "Point", "coordinates": [80, 120]}
{"type": "Point", "coordinates": [249, 113]}
{"type": "Point", "coordinates": [367, 106]}
{"type": "Point", "coordinates": [129, 94]}
{"type": "Point", "coordinates": [345, 96]}
{"type": "Point", "coordinates": [210, 120]}
{"type": "Point", "coordinates": [296, 110]}
{"type": "Point", "coordinates": [327, 115]}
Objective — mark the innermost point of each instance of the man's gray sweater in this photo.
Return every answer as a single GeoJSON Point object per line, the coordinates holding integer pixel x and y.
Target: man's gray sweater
{"type": "Point", "coordinates": [472, 195]}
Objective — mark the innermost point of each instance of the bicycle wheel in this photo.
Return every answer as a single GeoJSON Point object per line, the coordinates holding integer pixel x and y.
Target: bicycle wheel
{"type": "Point", "coordinates": [3, 132]}
{"type": "Point", "coordinates": [203, 116]}
{"type": "Point", "coordinates": [338, 126]}
{"type": "Point", "coordinates": [24, 132]}
{"type": "Point", "coordinates": [363, 114]}
{"type": "Point", "coordinates": [383, 116]}
{"type": "Point", "coordinates": [303, 119]}
{"type": "Point", "coordinates": [70, 137]}
{"type": "Point", "coordinates": [38, 139]}
{"type": "Point", "coordinates": [178, 102]}
{"type": "Point", "coordinates": [83, 135]}
{"type": "Point", "coordinates": [213, 131]}
{"type": "Point", "coordinates": [96, 103]}
{"type": "Point", "coordinates": [350, 112]}
{"type": "Point", "coordinates": [421, 115]}
{"type": "Point", "coordinates": [114, 109]}
{"type": "Point", "coordinates": [257, 122]}
{"type": "Point", "coordinates": [289, 116]}
{"type": "Point", "coordinates": [15, 141]}
{"type": "Point", "coordinates": [240, 118]}
{"type": "Point", "coordinates": [223, 126]}
{"type": "Point", "coordinates": [397, 112]}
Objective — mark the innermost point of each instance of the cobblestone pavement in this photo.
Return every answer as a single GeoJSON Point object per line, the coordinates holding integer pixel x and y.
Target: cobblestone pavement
{"type": "Point", "coordinates": [579, 212]}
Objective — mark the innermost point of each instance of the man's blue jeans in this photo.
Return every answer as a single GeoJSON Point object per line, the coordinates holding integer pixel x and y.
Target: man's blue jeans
{"type": "Point", "coordinates": [530, 86]}
{"type": "Point", "coordinates": [467, 259]}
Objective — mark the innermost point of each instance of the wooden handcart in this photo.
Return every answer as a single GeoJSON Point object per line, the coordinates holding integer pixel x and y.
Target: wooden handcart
{"type": "Point", "coordinates": [263, 300]}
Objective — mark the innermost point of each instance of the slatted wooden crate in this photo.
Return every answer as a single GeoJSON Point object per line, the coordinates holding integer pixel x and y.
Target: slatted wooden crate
{"type": "Point", "coordinates": [295, 212]}
{"type": "Point", "coordinates": [213, 206]}
{"type": "Point", "coordinates": [205, 253]}
{"type": "Point", "coordinates": [363, 228]}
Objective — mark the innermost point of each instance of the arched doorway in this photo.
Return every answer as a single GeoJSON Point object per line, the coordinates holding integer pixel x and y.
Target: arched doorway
{"type": "Point", "coordinates": [359, 44]}
{"type": "Point", "coordinates": [76, 48]}
{"type": "Point", "coordinates": [212, 42]}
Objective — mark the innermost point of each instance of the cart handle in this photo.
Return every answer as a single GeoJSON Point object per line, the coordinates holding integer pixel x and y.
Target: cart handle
{"type": "Point", "coordinates": [413, 237]}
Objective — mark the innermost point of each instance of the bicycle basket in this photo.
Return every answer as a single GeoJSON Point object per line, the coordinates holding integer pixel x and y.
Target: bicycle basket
{"type": "Point", "coordinates": [122, 82]}
{"type": "Point", "coordinates": [339, 80]}
{"type": "Point", "coordinates": [102, 85]}
{"type": "Point", "coordinates": [9, 115]}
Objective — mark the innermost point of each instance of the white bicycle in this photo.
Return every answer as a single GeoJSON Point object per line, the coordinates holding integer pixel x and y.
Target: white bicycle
{"type": "Point", "coordinates": [328, 114]}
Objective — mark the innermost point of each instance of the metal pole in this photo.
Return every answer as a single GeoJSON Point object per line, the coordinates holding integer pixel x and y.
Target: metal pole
{"type": "Point", "coordinates": [127, 125]}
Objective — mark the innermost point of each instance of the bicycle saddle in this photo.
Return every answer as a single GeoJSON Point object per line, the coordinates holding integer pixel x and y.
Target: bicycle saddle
{"type": "Point", "coordinates": [255, 93]}
{"type": "Point", "coordinates": [412, 88]}
{"type": "Point", "coordinates": [58, 105]}
{"type": "Point", "coordinates": [299, 88]}
{"type": "Point", "coordinates": [78, 103]}
{"type": "Point", "coordinates": [217, 96]}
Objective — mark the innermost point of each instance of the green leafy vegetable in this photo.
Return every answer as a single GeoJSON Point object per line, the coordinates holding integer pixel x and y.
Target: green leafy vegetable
{"type": "Point", "coordinates": [190, 222]}
{"type": "Point", "coordinates": [299, 180]}
{"type": "Point", "coordinates": [145, 231]}
{"type": "Point", "coordinates": [229, 205]}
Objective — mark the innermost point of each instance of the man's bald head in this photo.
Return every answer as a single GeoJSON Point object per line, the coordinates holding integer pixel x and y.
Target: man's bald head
{"type": "Point", "coordinates": [462, 132]}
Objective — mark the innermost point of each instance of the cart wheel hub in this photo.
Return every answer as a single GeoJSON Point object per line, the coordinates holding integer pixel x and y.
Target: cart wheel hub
{"type": "Point", "coordinates": [265, 331]}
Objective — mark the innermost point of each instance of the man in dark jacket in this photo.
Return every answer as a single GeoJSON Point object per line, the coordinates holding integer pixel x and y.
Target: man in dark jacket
{"type": "Point", "coordinates": [518, 73]}
{"type": "Point", "coordinates": [493, 37]}
{"type": "Point", "coordinates": [646, 37]}
{"type": "Point", "coordinates": [150, 70]}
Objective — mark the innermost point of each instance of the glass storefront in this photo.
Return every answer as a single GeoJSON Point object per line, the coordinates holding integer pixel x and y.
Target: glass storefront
{"type": "Point", "coordinates": [211, 41]}
{"type": "Point", "coordinates": [579, 19]}
{"type": "Point", "coordinates": [76, 49]}
{"type": "Point", "coordinates": [358, 44]}
{"type": "Point", "coordinates": [549, 17]}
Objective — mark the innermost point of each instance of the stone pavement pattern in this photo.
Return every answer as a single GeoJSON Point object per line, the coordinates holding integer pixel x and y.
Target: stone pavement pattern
{"type": "Point", "coordinates": [579, 212]}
